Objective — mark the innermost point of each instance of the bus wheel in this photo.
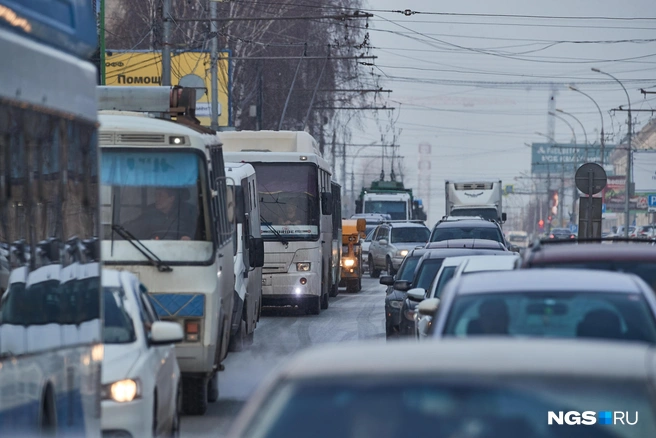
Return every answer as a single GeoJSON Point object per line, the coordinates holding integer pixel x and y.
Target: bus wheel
{"type": "Point", "coordinates": [213, 388]}
{"type": "Point", "coordinates": [313, 306]}
{"type": "Point", "coordinates": [194, 395]}
{"type": "Point", "coordinates": [324, 301]}
{"type": "Point", "coordinates": [238, 340]}
{"type": "Point", "coordinates": [335, 290]}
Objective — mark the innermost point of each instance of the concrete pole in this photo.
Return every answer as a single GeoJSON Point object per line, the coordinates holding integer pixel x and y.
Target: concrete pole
{"type": "Point", "coordinates": [214, 73]}
{"type": "Point", "coordinates": [166, 43]}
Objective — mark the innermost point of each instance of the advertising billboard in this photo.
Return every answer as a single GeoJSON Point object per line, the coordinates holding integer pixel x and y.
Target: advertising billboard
{"type": "Point", "coordinates": [549, 158]}
{"type": "Point", "coordinates": [188, 69]}
{"type": "Point", "coordinates": [644, 171]}
{"type": "Point", "coordinates": [615, 192]}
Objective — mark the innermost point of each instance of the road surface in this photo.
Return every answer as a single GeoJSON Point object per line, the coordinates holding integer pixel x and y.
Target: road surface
{"type": "Point", "coordinates": [280, 333]}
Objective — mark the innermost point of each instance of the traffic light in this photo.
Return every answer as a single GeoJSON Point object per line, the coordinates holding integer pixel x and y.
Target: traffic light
{"type": "Point", "coordinates": [541, 223]}
{"type": "Point", "coordinates": [549, 219]}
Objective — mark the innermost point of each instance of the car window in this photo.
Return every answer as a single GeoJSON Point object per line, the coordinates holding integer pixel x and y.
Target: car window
{"type": "Point", "coordinates": [450, 233]}
{"type": "Point", "coordinates": [407, 269]}
{"type": "Point", "coordinates": [370, 235]}
{"type": "Point", "coordinates": [616, 316]}
{"type": "Point", "coordinates": [447, 274]}
{"type": "Point", "coordinates": [148, 306]}
{"type": "Point", "coordinates": [427, 272]}
{"type": "Point", "coordinates": [448, 406]}
{"type": "Point", "coordinates": [644, 270]}
{"type": "Point", "coordinates": [410, 235]}
{"type": "Point", "coordinates": [118, 326]}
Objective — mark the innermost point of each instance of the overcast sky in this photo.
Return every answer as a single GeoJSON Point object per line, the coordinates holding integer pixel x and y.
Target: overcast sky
{"type": "Point", "coordinates": [477, 87]}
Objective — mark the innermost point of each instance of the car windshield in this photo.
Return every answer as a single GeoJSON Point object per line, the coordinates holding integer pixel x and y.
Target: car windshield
{"type": "Point", "coordinates": [448, 407]}
{"type": "Point", "coordinates": [407, 269]}
{"type": "Point", "coordinates": [410, 235]}
{"type": "Point", "coordinates": [447, 274]}
{"type": "Point", "coordinates": [118, 328]}
{"type": "Point", "coordinates": [427, 272]}
{"type": "Point", "coordinates": [616, 316]}
{"type": "Point", "coordinates": [644, 270]}
{"type": "Point", "coordinates": [451, 233]}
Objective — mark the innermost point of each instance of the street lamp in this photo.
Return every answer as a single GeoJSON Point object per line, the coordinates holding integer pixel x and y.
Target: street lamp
{"type": "Point", "coordinates": [585, 134]}
{"type": "Point", "coordinates": [602, 120]}
{"type": "Point", "coordinates": [627, 183]}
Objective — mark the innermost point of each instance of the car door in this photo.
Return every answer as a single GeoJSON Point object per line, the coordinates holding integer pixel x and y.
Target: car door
{"type": "Point", "coordinates": [374, 244]}
{"type": "Point", "coordinates": [164, 367]}
{"type": "Point", "coordinates": [383, 233]}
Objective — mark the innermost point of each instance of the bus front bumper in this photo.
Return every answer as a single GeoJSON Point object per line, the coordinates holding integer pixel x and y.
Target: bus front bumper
{"type": "Point", "coordinates": [290, 285]}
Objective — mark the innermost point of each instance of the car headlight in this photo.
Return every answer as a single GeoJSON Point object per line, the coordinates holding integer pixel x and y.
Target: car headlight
{"type": "Point", "coordinates": [402, 253]}
{"type": "Point", "coordinates": [122, 391]}
{"type": "Point", "coordinates": [349, 263]}
{"type": "Point", "coordinates": [303, 266]}
{"type": "Point", "coordinates": [396, 304]}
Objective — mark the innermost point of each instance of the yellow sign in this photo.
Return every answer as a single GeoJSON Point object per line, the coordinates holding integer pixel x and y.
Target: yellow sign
{"type": "Point", "coordinates": [188, 69]}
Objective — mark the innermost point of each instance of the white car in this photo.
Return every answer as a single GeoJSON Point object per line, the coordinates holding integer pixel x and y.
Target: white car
{"type": "Point", "coordinates": [141, 389]}
{"type": "Point", "coordinates": [456, 267]}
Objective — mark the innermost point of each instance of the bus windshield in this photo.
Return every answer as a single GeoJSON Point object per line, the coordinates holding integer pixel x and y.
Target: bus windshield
{"type": "Point", "coordinates": [289, 200]}
{"type": "Point", "coordinates": [396, 209]}
{"type": "Point", "coordinates": [154, 194]}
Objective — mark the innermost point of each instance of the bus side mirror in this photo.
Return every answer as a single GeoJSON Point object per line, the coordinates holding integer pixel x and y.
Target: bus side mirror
{"type": "Point", "coordinates": [326, 203]}
{"type": "Point", "coordinates": [256, 252]}
{"type": "Point", "coordinates": [503, 217]}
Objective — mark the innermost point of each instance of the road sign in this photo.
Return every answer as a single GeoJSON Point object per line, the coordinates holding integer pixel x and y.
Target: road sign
{"type": "Point", "coordinates": [574, 228]}
{"type": "Point", "coordinates": [603, 208]}
{"type": "Point", "coordinates": [590, 178]}
{"type": "Point", "coordinates": [652, 200]}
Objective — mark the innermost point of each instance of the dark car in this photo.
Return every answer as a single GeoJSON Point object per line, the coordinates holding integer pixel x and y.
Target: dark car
{"type": "Point", "coordinates": [425, 272]}
{"type": "Point", "coordinates": [395, 297]}
{"type": "Point", "coordinates": [637, 258]}
{"type": "Point", "coordinates": [561, 234]}
{"type": "Point", "coordinates": [457, 228]}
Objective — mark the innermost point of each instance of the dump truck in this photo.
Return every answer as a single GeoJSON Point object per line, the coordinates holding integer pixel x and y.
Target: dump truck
{"type": "Point", "coordinates": [353, 231]}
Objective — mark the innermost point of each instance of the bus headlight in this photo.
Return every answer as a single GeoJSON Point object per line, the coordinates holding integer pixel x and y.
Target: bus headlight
{"type": "Point", "coordinates": [122, 391]}
{"type": "Point", "coordinates": [349, 263]}
{"type": "Point", "coordinates": [303, 266]}
{"type": "Point", "coordinates": [402, 253]}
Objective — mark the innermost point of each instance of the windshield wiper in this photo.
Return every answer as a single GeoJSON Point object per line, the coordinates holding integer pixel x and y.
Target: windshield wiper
{"type": "Point", "coordinates": [274, 231]}
{"type": "Point", "coordinates": [154, 260]}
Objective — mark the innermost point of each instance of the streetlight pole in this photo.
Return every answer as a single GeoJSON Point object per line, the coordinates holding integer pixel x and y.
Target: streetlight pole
{"type": "Point", "coordinates": [585, 134]}
{"type": "Point", "coordinates": [629, 164]}
{"type": "Point", "coordinates": [561, 210]}
{"type": "Point", "coordinates": [601, 139]}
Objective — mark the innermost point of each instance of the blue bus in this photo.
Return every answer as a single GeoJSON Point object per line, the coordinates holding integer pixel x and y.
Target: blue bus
{"type": "Point", "coordinates": [50, 312]}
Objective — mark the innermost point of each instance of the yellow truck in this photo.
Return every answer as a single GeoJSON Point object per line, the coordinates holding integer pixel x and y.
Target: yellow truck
{"type": "Point", "coordinates": [352, 231]}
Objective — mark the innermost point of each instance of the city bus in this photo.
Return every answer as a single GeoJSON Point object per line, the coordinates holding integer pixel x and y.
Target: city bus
{"type": "Point", "coordinates": [296, 204]}
{"type": "Point", "coordinates": [50, 321]}
{"type": "Point", "coordinates": [165, 218]}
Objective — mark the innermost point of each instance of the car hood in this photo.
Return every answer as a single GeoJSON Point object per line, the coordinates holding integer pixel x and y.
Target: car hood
{"type": "Point", "coordinates": [395, 295]}
{"type": "Point", "coordinates": [119, 360]}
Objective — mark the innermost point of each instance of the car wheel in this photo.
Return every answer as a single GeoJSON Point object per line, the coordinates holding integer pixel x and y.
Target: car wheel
{"type": "Point", "coordinates": [313, 306]}
{"type": "Point", "coordinates": [194, 395]}
{"type": "Point", "coordinates": [373, 273]}
{"type": "Point", "coordinates": [390, 267]}
{"type": "Point", "coordinates": [213, 388]}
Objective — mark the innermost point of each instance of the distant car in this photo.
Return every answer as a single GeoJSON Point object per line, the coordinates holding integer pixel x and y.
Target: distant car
{"type": "Point", "coordinates": [518, 238]}
{"type": "Point", "coordinates": [141, 387]}
{"type": "Point", "coordinates": [391, 242]}
{"type": "Point", "coordinates": [469, 388]}
{"type": "Point", "coordinates": [452, 269]}
{"type": "Point", "coordinates": [638, 258]}
{"type": "Point", "coordinates": [644, 232]}
{"type": "Point", "coordinates": [452, 228]}
{"type": "Point", "coordinates": [552, 303]}
{"type": "Point", "coordinates": [561, 234]}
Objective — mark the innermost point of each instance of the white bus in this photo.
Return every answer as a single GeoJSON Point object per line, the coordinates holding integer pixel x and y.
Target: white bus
{"type": "Point", "coordinates": [165, 219]}
{"type": "Point", "coordinates": [296, 204]}
{"type": "Point", "coordinates": [249, 255]}
{"type": "Point", "coordinates": [50, 326]}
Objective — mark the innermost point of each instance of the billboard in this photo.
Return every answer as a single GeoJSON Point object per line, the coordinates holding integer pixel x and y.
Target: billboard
{"type": "Point", "coordinates": [189, 69]}
{"type": "Point", "coordinates": [549, 157]}
{"type": "Point", "coordinates": [615, 192]}
{"type": "Point", "coordinates": [644, 171]}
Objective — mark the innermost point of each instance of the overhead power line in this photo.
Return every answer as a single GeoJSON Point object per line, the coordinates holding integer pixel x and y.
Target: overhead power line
{"type": "Point", "coordinates": [409, 12]}
{"type": "Point", "coordinates": [340, 17]}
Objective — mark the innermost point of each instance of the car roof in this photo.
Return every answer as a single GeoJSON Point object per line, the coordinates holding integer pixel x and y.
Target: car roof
{"type": "Point", "coordinates": [466, 222]}
{"type": "Point", "coordinates": [467, 243]}
{"type": "Point", "coordinates": [512, 357]}
{"type": "Point", "coordinates": [549, 280]}
{"type": "Point", "coordinates": [403, 224]}
{"type": "Point", "coordinates": [572, 252]}
{"type": "Point", "coordinates": [436, 253]}
{"type": "Point", "coordinates": [491, 263]}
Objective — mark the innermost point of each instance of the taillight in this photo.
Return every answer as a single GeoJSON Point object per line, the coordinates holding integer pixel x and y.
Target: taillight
{"type": "Point", "coordinates": [551, 236]}
{"type": "Point", "coordinates": [572, 236]}
{"type": "Point", "coordinates": [192, 331]}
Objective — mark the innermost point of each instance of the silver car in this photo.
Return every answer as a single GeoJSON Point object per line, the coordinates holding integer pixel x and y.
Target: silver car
{"type": "Point", "coordinates": [390, 244]}
{"type": "Point", "coordinates": [561, 303]}
{"type": "Point", "coordinates": [473, 388]}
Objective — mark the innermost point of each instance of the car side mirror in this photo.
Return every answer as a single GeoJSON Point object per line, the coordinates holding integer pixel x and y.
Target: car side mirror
{"type": "Point", "coordinates": [514, 248]}
{"type": "Point", "coordinates": [165, 333]}
{"type": "Point", "coordinates": [326, 203]}
{"type": "Point", "coordinates": [417, 294]}
{"type": "Point", "coordinates": [256, 252]}
{"type": "Point", "coordinates": [387, 280]}
{"type": "Point", "coordinates": [504, 217]}
{"type": "Point", "coordinates": [428, 307]}
{"type": "Point", "coordinates": [401, 285]}
{"type": "Point", "coordinates": [382, 242]}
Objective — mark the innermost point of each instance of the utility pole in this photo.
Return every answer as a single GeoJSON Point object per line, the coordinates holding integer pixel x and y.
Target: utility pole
{"type": "Point", "coordinates": [214, 73]}
{"type": "Point", "coordinates": [260, 96]}
{"type": "Point", "coordinates": [102, 42]}
{"type": "Point", "coordinates": [166, 43]}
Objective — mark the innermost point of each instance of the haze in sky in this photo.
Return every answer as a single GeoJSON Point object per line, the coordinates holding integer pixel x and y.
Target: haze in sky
{"type": "Point", "coordinates": [477, 87]}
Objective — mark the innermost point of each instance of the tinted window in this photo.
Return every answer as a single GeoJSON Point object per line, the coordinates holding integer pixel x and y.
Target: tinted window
{"type": "Point", "coordinates": [451, 233]}
{"type": "Point", "coordinates": [407, 269]}
{"type": "Point", "coordinates": [447, 274]}
{"type": "Point", "coordinates": [118, 328]}
{"type": "Point", "coordinates": [618, 316]}
{"type": "Point", "coordinates": [410, 235]}
{"type": "Point", "coordinates": [427, 272]}
{"type": "Point", "coordinates": [645, 270]}
{"type": "Point", "coordinates": [401, 407]}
